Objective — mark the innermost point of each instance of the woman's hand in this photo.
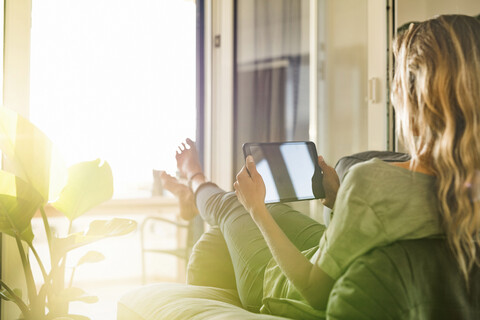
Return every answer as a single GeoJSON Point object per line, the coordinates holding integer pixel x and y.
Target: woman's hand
{"type": "Point", "coordinates": [331, 183]}
{"type": "Point", "coordinates": [250, 188]}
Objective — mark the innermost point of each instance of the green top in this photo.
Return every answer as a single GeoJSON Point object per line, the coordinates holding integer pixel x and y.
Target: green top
{"type": "Point", "coordinates": [377, 204]}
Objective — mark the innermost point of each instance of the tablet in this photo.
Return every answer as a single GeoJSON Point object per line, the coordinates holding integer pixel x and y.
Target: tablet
{"type": "Point", "coordinates": [290, 170]}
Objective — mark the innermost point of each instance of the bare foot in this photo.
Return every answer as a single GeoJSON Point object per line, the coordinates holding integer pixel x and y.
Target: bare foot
{"type": "Point", "coordinates": [184, 194]}
{"type": "Point", "coordinates": [188, 162]}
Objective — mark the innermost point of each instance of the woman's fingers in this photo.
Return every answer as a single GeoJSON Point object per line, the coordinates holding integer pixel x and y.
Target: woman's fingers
{"type": "Point", "coordinates": [327, 170]}
{"type": "Point", "coordinates": [249, 185]}
{"type": "Point", "coordinates": [323, 165]}
{"type": "Point", "coordinates": [249, 170]}
{"type": "Point", "coordinates": [242, 174]}
{"type": "Point", "coordinates": [331, 183]}
{"type": "Point", "coordinates": [252, 168]}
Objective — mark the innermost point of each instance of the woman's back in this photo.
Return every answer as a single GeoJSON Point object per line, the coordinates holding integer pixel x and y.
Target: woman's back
{"type": "Point", "coordinates": [377, 204]}
{"type": "Point", "coordinates": [436, 94]}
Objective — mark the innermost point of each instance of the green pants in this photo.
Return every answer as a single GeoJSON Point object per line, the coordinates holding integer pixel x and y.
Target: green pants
{"type": "Point", "coordinates": [245, 244]}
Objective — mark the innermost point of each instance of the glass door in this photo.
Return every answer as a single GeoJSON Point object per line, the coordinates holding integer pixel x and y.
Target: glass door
{"type": "Point", "coordinates": [271, 72]}
{"type": "Point", "coordinates": [286, 49]}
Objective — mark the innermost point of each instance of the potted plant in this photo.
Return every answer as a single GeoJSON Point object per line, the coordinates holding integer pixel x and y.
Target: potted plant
{"type": "Point", "coordinates": [33, 178]}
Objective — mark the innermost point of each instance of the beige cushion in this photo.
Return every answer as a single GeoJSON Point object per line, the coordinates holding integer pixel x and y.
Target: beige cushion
{"type": "Point", "coordinates": [179, 301]}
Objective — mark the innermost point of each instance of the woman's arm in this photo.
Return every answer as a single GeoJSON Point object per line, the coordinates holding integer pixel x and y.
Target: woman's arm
{"type": "Point", "coordinates": [314, 284]}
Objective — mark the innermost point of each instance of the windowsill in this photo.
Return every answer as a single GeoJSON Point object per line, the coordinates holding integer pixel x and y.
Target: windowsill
{"type": "Point", "coordinates": [158, 204]}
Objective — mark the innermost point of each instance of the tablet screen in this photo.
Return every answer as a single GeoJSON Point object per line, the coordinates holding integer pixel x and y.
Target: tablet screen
{"type": "Point", "coordinates": [289, 169]}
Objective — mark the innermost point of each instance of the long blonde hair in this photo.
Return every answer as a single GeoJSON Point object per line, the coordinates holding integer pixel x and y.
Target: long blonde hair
{"type": "Point", "coordinates": [436, 93]}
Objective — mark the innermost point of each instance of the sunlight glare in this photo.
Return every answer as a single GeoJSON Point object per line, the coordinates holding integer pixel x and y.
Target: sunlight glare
{"type": "Point", "coordinates": [115, 80]}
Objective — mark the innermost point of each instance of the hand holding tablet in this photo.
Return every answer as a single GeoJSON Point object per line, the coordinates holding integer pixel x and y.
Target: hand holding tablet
{"type": "Point", "coordinates": [289, 170]}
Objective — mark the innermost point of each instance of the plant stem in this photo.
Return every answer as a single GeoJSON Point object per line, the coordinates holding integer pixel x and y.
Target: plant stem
{"type": "Point", "coordinates": [64, 262]}
{"type": "Point", "coordinates": [58, 277]}
{"type": "Point", "coordinates": [42, 267]}
{"type": "Point", "coordinates": [70, 226]}
{"type": "Point", "coordinates": [48, 232]}
{"type": "Point", "coordinates": [32, 291]}
{"type": "Point", "coordinates": [42, 293]}
{"type": "Point", "coordinates": [71, 277]}
{"type": "Point", "coordinates": [18, 300]}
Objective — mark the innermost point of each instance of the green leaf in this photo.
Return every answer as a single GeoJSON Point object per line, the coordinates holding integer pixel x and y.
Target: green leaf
{"type": "Point", "coordinates": [98, 229]}
{"type": "Point", "coordinates": [91, 257]}
{"type": "Point", "coordinates": [18, 292]}
{"type": "Point", "coordinates": [72, 317]}
{"type": "Point", "coordinates": [4, 294]}
{"type": "Point", "coordinates": [18, 204]}
{"type": "Point", "coordinates": [30, 155]}
{"type": "Point", "coordinates": [111, 228]}
{"type": "Point", "coordinates": [75, 294]}
{"type": "Point", "coordinates": [89, 184]}
{"type": "Point", "coordinates": [88, 299]}
{"type": "Point", "coordinates": [78, 317]}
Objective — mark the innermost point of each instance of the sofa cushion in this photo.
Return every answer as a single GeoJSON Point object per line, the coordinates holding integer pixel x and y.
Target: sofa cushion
{"type": "Point", "coordinates": [414, 279]}
{"type": "Point", "coordinates": [179, 301]}
{"type": "Point", "coordinates": [345, 163]}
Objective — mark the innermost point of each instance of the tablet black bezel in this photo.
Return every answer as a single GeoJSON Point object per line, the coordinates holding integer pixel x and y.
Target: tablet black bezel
{"type": "Point", "coordinates": [313, 153]}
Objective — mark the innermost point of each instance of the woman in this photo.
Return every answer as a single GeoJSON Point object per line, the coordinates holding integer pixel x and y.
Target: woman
{"type": "Point", "coordinates": [436, 93]}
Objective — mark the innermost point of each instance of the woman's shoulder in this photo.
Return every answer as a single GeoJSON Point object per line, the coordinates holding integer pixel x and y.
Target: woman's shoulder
{"type": "Point", "coordinates": [369, 169]}
{"type": "Point", "coordinates": [382, 176]}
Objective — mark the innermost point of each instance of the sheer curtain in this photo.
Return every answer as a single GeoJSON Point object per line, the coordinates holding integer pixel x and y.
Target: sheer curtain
{"type": "Point", "coordinates": [271, 72]}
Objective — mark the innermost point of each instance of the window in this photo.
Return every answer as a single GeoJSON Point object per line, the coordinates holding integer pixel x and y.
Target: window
{"type": "Point", "coordinates": [116, 80]}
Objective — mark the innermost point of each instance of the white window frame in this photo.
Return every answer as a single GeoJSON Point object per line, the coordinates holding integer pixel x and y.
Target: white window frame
{"type": "Point", "coordinates": [16, 19]}
{"type": "Point", "coordinates": [377, 75]}
{"type": "Point", "coordinates": [219, 91]}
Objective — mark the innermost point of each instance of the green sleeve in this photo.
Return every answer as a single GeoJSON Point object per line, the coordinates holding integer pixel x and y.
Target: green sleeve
{"type": "Point", "coordinates": [354, 230]}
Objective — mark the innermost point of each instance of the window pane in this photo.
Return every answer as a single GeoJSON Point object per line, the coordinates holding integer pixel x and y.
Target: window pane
{"type": "Point", "coordinates": [116, 80]}
{"type": "Point", "coordinates": [272, 72]}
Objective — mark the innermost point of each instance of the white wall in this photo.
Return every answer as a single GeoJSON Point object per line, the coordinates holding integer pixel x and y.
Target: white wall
{"type": "Point", "coordinates": [343, 113]}
{"type": "Point", "coordinates": [415, 10]}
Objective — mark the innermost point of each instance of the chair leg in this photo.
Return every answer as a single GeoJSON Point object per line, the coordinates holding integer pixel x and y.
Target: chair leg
{"type": "Point", "coordinates": [142, 247]}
